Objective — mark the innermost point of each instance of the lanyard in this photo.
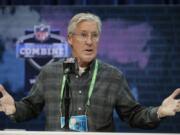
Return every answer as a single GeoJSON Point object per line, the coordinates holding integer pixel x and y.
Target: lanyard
{"type": "Point", "coordinates": [93, 80]}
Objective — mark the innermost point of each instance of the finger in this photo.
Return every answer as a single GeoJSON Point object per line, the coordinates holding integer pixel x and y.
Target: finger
{"type": "Point", "coordinates": [1, 108]}
{"type": "Point", "coordinates": [178, 108]}
{"type": "Point", "coordinates": [175, 93]}
{"type": "Point", "coordinates": [2, 90]}
{"type": "Point", "coordinates": [178, 105]}
{"type": "Point", "coordinates": [178, 101]}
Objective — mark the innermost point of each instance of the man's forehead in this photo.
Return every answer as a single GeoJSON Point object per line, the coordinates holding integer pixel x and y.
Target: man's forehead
{"type": "Point", "coordinates": [87, 22]}
{"type": "Point", "coordinates": [87, 26]}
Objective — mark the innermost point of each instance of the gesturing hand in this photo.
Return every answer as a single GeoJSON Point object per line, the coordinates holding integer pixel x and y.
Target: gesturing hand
{"type": "Point", "coordinates": [7, 104]}
{"type": "Point", "coordinates": [170, 105]}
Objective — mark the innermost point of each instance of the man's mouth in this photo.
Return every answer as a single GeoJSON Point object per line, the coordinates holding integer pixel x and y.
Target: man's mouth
{"type": "Point", "coordinates": [89, 51]}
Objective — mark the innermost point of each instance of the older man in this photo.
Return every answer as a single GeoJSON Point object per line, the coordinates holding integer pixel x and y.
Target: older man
{"type": "Point", "coordinates": [97, 89]}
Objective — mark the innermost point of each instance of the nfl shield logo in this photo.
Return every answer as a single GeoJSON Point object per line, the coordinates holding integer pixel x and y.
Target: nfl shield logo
{"type": "Point", "coordinates": [41, 32]}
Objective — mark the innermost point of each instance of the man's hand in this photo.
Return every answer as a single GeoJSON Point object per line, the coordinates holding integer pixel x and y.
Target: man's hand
{"type": "Point", "coordinates": [170, 105]}
{"type": "Point", "coordinates": [7, 104]}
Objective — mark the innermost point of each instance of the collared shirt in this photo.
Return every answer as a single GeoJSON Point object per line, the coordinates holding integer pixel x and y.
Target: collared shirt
{"type": "Point", "coordinates": [110, 92]}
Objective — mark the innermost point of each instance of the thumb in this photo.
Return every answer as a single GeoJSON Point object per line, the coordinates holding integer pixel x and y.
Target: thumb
{"type": "Point", "coordinates": [175, 93]}
{"type": "Point", "coordinates": [2, 90]}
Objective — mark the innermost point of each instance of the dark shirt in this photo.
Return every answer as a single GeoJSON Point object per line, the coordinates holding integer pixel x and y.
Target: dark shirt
{"type": "Point", "coordinates": [111, 92]}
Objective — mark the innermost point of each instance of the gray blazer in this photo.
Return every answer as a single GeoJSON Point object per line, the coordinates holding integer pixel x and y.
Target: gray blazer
{"type": "Point", "coordinates": [111, 92]}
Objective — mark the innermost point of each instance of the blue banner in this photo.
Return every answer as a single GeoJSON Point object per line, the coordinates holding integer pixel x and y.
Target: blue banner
{"type": "Point", "coordinates": [34, 50]}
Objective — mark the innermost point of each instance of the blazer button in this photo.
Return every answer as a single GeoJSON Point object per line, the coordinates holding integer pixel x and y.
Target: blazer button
{"type": "Point", "coordinates": [80, 92]}
{"type": "Point", "coordinates": [79, 108]}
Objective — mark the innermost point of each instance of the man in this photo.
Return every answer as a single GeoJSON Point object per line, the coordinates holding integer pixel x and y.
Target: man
{"type": "Point", "coordinates": [96, 89]}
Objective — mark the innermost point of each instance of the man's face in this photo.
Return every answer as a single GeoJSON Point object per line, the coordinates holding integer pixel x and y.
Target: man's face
{"type": "Point", "coordinates": [84, 42]}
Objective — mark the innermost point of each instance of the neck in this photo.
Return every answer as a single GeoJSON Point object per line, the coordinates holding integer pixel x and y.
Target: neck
{"type": "Point", "coordinates": [83, 64]}
{"type": "Point", "coordinates": [82, 67]}
{"type": "Point", "coordinates": [81, 70]}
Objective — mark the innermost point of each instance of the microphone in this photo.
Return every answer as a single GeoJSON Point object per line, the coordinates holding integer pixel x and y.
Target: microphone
{"type": "Point", "coordinates": [70, 66]}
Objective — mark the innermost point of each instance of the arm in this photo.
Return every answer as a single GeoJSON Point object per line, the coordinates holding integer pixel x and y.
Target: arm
{"type": "Point", "coordinates": [131, 111]}
{"type": "Point", "coordinates": [29, 107]}
{"type": "Point", "coordinates": [145, 117]}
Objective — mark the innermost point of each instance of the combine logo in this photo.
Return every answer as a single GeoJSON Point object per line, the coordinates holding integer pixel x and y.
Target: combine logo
{"type": "Point", "coordinates": [41, 42]}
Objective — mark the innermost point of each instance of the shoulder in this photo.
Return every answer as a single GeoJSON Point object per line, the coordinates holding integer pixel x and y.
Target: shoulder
{"type": "Point", "coordinates": [110, 69]}
{"type": "Point", "coordinates": [53, 66]}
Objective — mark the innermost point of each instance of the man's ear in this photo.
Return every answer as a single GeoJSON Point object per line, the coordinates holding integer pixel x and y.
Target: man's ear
{"type": "Point", "coordinates": [69, 38]}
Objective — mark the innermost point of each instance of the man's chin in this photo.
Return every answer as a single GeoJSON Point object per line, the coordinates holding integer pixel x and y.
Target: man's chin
{"type": "Point", "coordinates": [87, 60]}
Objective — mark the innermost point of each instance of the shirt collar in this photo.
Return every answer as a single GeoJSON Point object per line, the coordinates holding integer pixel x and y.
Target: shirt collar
{"type": "Point", "coordinates": [90, 68]}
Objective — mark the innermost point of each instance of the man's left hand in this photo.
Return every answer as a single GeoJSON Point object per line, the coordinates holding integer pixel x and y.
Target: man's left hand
{"type": "Point", "coordinates": [170, 106]}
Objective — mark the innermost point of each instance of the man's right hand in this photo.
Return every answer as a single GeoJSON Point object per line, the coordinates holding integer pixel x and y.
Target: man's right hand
{"type": "Point", "coordinates": [7, 103]}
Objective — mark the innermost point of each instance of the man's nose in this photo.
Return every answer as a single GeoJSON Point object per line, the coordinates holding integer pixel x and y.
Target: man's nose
{"type": "Point", "coordinates": [89, 40]}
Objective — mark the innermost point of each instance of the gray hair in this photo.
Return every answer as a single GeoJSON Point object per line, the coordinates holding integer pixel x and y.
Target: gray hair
{"type": "Point", "coordinates": [83, 17]}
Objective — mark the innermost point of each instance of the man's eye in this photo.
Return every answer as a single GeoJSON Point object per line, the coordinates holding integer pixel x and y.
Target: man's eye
{"type": "Point", "coordinates": [95, 35]}
{"type": "Point", "coordinates": [83, 35]}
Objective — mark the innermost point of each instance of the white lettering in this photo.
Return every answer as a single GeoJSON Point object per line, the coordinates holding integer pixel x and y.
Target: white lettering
{"type": "Point", "coordinates": [22, 51]}
{"type": "Point", "coordinates": [35, 51]}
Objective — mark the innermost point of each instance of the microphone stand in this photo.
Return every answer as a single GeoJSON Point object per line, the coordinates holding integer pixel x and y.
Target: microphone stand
{"type": "Point", "coordinates": [69, 67]}
{"type": "Point", "coordinates": [67, 99]}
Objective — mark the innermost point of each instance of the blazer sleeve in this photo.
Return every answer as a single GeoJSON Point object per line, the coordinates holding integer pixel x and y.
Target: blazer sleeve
{"type": "Point", "coordinates": [30, 106]}
{"type": "Point", "coordinates": [131, 111]}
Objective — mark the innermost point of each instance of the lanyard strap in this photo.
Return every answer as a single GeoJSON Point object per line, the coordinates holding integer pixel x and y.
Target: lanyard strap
{"type": "Point", "coordinates": [93, 80]}
{"type": "Point", "coordinates": [62, 88]}
{"type": "Point", "coordinates": [92, 83]}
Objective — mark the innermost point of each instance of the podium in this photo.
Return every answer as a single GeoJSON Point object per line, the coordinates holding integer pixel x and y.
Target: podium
{"type": "Point", "coordinates": [17, 132]}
